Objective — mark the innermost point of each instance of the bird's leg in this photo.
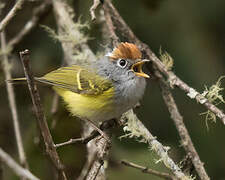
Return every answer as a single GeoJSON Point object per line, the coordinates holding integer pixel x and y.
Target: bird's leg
{"type": "Point", "coordinates": [98, 129]}
{"type": "Point", "coordinates": [108, 124]}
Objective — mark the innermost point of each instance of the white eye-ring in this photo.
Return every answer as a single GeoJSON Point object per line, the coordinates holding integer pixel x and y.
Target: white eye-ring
{"type": "Point", "coordinates": [122, 63]}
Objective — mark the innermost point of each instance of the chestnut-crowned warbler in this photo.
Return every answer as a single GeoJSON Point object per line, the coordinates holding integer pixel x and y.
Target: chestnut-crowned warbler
{"type": "Point", "coordinates": [104, 89]}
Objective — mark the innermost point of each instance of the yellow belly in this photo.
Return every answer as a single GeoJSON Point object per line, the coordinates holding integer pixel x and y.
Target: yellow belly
{"type": "Point", "coordinates": [93, 107]}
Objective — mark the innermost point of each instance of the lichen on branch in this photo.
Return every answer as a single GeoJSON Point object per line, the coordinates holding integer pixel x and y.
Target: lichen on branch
{"type": "Point", "coordinates": [135, 129]}
{"type": "Point", "coordinates": [166, 59]}
{"type": "Point", "coordinates": [214, 96]}
{"type": "Point", "coordinates": [78, 36]}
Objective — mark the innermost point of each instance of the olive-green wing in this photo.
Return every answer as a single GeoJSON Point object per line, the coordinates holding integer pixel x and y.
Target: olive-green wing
{"type": "Point", "coordinates": [77, 79]}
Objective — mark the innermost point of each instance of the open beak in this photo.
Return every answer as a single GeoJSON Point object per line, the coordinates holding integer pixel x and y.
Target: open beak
{"type": "Point", "coordinates": [137, 68]}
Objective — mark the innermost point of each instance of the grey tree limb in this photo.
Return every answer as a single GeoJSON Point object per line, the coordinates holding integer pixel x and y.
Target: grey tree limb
{"type": "Point", "coordinates": [11, 14]}
{"type": "Point", "coordinates": [17, 169]}
{"type": "Point", "coordinates": [38, 14]}
{"type": "Point", "coordinates": [12, 103]}
{"type": "Point", "coordinates": [186, 141]}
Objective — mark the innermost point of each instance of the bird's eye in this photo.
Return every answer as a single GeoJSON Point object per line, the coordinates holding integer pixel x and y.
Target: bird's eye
{"type": "Point", "coordinates": [122, 63]}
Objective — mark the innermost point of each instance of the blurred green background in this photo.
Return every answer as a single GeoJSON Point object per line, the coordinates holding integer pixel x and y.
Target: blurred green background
{"type": "Point", "coordinates": [193, 32]}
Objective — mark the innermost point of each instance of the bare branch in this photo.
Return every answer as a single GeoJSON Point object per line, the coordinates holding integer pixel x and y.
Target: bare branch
{"type": "Point", "coordinates": [84, 140]}
{"type": "Point", "coordinates": [39, 13]}
{"type": "Point", "coordinates": [71, 141]}
{"type": "Point", "coordinates": [17, 169]}
{"type": "Point", "coordinates": [92, 124]}
{"type": "Point", "coordinates": [183, 132]}
{"type": "Point", "coordinates": [110, 25]}
{"type": "Point", "coordinates": [119, 22]}
{"type": "Point", "coordinates": [12, 103]}
{"type": "Point", "coordinates": [43, 126]}
{"type": "Point", "coordinates": [173, 79]}
{"type": "Point", "coordinates": [148, 170]}
{"type": "Point", "coordinates": [11, 14]}
{"type": "Point", "coordinates": [93, 8]}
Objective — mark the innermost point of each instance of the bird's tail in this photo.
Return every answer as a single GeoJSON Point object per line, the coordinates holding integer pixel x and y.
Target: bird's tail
{"type": "Point", "coordinates": [18, 80]}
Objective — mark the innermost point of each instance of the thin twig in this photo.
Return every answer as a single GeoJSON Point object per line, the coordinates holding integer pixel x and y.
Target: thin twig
{"type": "Point", "coordinates": [93, 125]}
{"type": "Point", "coordinates": [71, 141]}
{"type": "Point", "coordinates": [110, 25]}
{"type": "Point", "coordinates": [38, 14]}
{"type": "Point", "coordinates": [84, 140]}
{"type": "Point", "coordinates": [119, 22]}
{"type": "Point", "coordinates": [17, 169]}
{"type": "Point", "coordinates": [148, 170]}
{"type": "Point", "coordinates": [43, 126]}
{"type": "Point", "coordinates": [182, 130]}
{"type": "Point", "coordinates": [11, 14]}
{"type": "Point", "coordinates": [93, 8]}
{"type": "Point", "coordinates": [173, 79]}
{"type": "Point", "coordinates": [12, 104]}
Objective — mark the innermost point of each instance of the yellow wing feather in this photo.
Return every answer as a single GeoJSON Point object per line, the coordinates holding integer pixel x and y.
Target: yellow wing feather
{"type": "Point", "coordinates": [77, 79]}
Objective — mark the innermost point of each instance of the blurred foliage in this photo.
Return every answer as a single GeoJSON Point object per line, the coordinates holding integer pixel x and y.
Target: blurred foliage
{"type": "Point", "coordinates": [192, 32]}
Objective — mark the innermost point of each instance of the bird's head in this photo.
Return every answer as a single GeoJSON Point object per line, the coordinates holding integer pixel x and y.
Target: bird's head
{"type": "Point", "coordinates": [128, 59]}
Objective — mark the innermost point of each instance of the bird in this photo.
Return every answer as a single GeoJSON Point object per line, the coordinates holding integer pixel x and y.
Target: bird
{"type": "Point", "coordinates": [104, 89]}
